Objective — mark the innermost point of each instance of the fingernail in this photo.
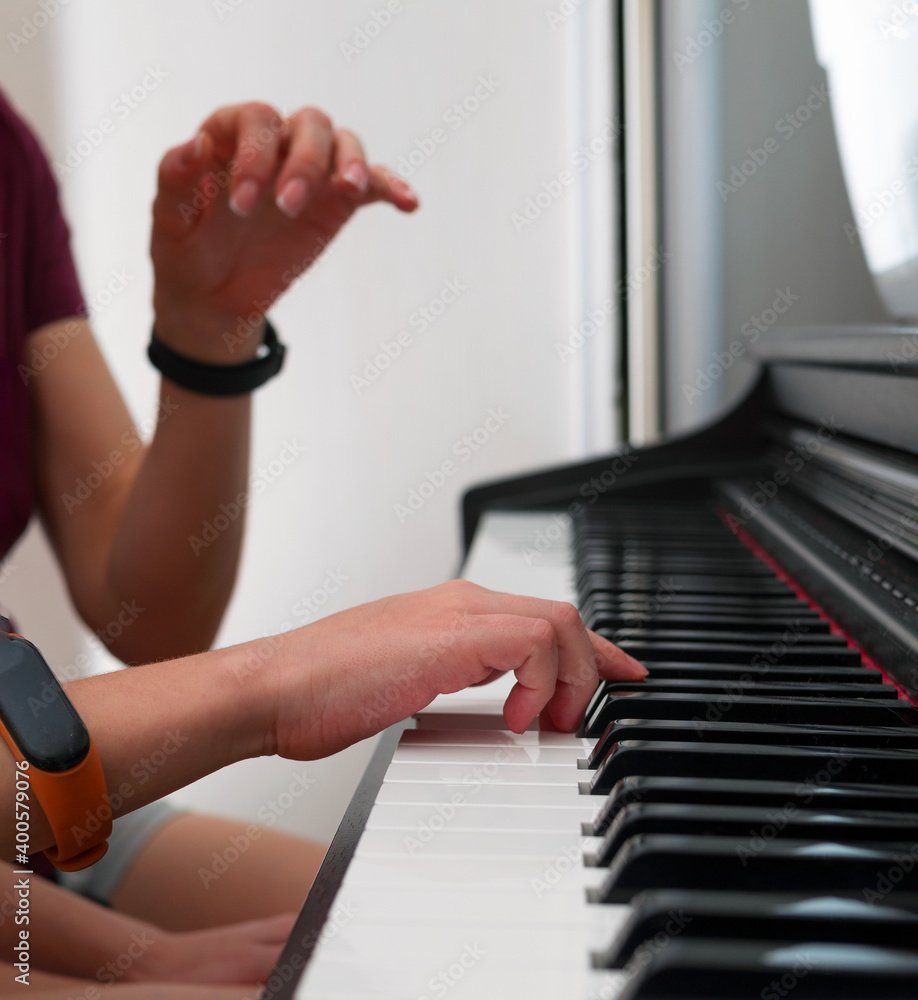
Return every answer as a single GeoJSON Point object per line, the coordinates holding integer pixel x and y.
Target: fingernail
{"type": "Point", "coordinates": [639, 668]}
{"type": "Point", "coordinates": [356, 174]}
{"type": "Point", "coordinates": [188, 152]}
{"type": "Point", "coordinates": [243, 200]}
{"type": "Point", "coordinates": [405, 190]}
{"type": "Point", "coordinates": [198, 145]}
{"type": "Point", "coordinates": [293, 197]}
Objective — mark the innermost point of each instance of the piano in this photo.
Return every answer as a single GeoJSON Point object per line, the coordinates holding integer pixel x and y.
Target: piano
{"type": "Point", "coordinates": [743, 824]}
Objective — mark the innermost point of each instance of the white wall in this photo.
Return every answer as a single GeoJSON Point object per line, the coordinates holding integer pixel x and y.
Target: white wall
{"type": "Point", "coordinates": [333, 507]}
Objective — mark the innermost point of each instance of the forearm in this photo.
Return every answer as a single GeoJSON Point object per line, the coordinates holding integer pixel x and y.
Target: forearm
{"type": "Point", "coordinates": [121, 516]}
{"type": "Point", "coordinates": [72, 936]}
{"type": "Point", "coordinates": [157, 728]}
{"type": "Point", "coordinates": [175, 552]}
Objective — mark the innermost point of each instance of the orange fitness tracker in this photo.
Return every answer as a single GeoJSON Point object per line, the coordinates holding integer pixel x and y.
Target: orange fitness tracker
{"type": "Point", "coordinates": [56, 757]}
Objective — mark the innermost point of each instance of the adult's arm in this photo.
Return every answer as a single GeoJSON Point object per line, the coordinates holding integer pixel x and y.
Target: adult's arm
{"type": "Point", "coordinates": [127, 521]}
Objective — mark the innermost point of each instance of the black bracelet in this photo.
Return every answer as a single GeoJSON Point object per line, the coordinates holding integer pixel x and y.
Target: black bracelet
{"type": "Point", "coordinates": [218, 380]}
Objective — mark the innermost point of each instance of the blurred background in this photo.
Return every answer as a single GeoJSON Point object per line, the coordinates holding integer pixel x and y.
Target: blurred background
{"type": "Point", "coordinates": [584, 334]}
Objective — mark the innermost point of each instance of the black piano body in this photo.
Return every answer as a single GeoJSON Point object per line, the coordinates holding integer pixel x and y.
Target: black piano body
{"type": "Point", "coordinates": [813, 477]}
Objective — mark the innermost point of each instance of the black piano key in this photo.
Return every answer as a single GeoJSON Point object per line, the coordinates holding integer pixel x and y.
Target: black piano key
{"type": "Point", "coordinates": [768, 650]}
{"type": "Point", "coordinates": [617, 621]}
{"type": "Point", "coordinates": [763, 916]}
{"type": "Point", "coordinates": [753, 733]}
{"type": "Point", "coordinates": [764, 763]}
{"type": "Point", "coordinates": [640, 704]}
{"type": "Point", "coordinates": [724, 690]}
{"type": "Point", "coordinates": [754, 823]}
{"type": "Point", "coordinates": [739, 864]}
{"type": "Point", "coordinates": [798, 638]}
{"type": "Point", "coordinates": [762, 970]}
{"type": "Point", "coordinates": [758, 794]}
{"type": "Point", "coordinates": [731, 671]}
{"type": "Point", "coordinates": [684, 583]}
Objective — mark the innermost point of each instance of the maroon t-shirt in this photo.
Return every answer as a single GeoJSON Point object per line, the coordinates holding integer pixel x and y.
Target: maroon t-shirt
{"type": "Point", "coordinates": [38, 285]}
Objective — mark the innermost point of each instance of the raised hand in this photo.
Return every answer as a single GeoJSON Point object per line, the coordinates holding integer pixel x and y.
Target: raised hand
{"type": "Point", "coordinates": [242, 210]}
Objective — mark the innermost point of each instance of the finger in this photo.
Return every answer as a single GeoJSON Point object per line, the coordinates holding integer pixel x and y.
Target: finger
{"type": "Point", "coordinates": [577, 682]}
{"type": "Point", "coordinates": [528, 647]}
{"type": "Point", "coordinates": [349, 168]}
{"type": "Point", "coordinates": [273, 930]}
{"type": "Point", "coordinates": [307, 162]}
{"type": "Point", "coordinates": [250, 136]}
{"type": "Point", "coordinates": [614, 664]}
{"type": "Point", "coordinates": [180, 173]}
{"type": "Point", "coordinates": [577, 672]}
{"type": "Point", "coordinates": [387, 186]}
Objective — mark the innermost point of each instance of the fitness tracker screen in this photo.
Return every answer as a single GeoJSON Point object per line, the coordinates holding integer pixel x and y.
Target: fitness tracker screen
{"type": "Point", "coordinates": [35, 711]}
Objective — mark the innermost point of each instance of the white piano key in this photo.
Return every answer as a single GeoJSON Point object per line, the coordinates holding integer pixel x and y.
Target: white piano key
{"type": "Point", "coordinates": [376, 904]}
{"type": "Point", "coordinates": [487, 755]}
{"type": "Point", "coordinates": [485, 793]}
{"type": "Point", "coordinates": [564, 873]}
{"type": "Point", "coordinates": [397, 962]}
{"type": "Point", "coordinates": [483, 738]}
{"type": "Point", "coordinates": [470, 844]}
{"type": "Point", "coordinates": [489, 773]}
{"type": "Point", "coordinates": [467, 814]}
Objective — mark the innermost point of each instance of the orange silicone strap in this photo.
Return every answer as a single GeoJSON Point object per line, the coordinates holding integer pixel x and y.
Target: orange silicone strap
{"type": "Point", "coordinates": [76, 805]}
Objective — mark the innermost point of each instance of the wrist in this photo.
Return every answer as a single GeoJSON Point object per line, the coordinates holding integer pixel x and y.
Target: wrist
{"type": "Point", "coordinates": [209, 336]}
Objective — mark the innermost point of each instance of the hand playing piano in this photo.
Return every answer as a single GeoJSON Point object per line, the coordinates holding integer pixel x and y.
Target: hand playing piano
{"type": "Point", "coordinates": [352, 674]}
{"type": "Point", "coordinates": [243, 208]}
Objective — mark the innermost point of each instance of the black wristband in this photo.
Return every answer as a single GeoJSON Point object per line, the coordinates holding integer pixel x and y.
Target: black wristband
{"type": "Point", "coordinates": [218, 380]}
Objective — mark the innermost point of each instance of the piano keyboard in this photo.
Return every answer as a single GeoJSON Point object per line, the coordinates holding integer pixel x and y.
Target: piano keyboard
{"type": "Point", "coordinates": [742, 824]}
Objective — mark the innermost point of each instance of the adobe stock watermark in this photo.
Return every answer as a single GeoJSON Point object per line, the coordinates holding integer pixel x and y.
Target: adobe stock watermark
{"type": "Point", "coordinates": [103, 469]}
{"type": "Point", "coordinates": [305, 609]}
{"type": "Point", "coordinates": [142, 771]}
{"type": "Point", "coordinates": [882, 200]}
{"type": "Point", "coordinates": [252, 324]}
{"type": "Point", "coordinates": [43, 14]}
{"type": "Point", "coordinates": [795, 460]}
{"type": "Point", "coordinates": [759, 665]}
{"type": "Point", "coordinates": [787, 126]}
{"type": "Point", "coordinates": [338, 918]}
{"type": "Point", "coordinates": [581, 159]}
{"type": "Point", "coordinates": [421, 320]}
{"type": "Point", "coordinates": [909, 352]}
{"type": "Point", "coordinates": [898, 22]}
{"type": "Point", "coordinates": [751, 330]}
{"type": "Point", "coordinates": [555, 17]}
{"type": "Point", "coordinates": [443, 813]}
{"type": "Point", "coordinates": [121, 109]}
{"type": "Point", "coordinates": [441, 983]}
{"type": "Point", "coordinates": [238, 844]}
{"type": "Point", "coordinates": [676, 923]}
{"type": "Point", "coordinates": [590, 490]}
{"type": "Point", "coordinates": [464, 448]}
{"type": "Point", "coordinates": [365, 34]}
{"type": "Point", "coordinates": [455, 116]}
{"type": "Point", "coordinates": [228, 513]}
{"type": "Point", "coordinates": [711, 29]}
{"type": "Point", "coordinates": [223, 8]}
{"type": "Point", "coordinates": [59, 338]}
{"type": "Point", "coordinates": [215, 182]}
{"type": "Point", "coordinates": [594, 320]}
